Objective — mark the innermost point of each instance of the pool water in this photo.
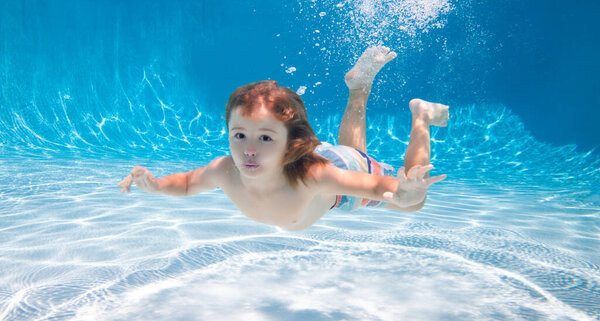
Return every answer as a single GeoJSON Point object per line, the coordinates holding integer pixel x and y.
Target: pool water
{"type": "Point", "coordinates": [489, 245]}
{"type": "Point", "coordinates": [512, 234]}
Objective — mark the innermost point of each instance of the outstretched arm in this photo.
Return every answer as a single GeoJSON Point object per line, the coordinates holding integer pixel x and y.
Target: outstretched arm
{"type": "Point", "coordinates": [407, 191]}
{"type": "Point", "coordinates": [178, 184]}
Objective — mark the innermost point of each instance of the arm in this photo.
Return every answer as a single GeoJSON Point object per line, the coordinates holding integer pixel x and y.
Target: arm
{"type": "Point", "coordinates": [406, 192]}
{"type": "Point", "coordinates": [178, 184]}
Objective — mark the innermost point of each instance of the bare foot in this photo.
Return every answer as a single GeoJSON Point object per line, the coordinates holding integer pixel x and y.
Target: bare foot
{"type": "Point", "coordinates": [434, 114]}
{"type": "Point", "coordinates": [370, 62]}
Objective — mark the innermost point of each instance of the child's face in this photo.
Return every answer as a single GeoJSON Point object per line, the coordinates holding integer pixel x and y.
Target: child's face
{"type": "Point", "coordinates": [257, 143]}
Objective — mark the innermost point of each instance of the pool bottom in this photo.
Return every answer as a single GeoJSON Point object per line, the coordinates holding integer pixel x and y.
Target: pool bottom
{"type": "Point", "coordinates": [73, 248]}
{"type": "Point", "coordinates": [336, 281]}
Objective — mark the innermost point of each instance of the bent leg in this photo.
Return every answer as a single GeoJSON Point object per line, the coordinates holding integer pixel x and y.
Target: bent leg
{"type": "Point", "coordinates": [418, 152]}
{"type": "Point", "coordinates": [353, 129]}
{"type": "Point", "coordinates": [424, 114]}
{"type": "Point", "coordinates": [359, 79]}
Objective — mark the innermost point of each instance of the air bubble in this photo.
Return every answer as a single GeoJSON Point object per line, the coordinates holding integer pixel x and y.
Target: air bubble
{"type": "Point", "coordinates": [301, 90]}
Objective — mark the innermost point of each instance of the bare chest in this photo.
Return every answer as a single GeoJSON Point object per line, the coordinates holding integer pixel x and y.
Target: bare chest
{"type": "Point", "coordinates": [287, 207]}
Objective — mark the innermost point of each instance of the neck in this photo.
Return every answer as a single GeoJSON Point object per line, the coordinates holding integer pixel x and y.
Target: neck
{"type": "Point", "coordinates": [265, 184]}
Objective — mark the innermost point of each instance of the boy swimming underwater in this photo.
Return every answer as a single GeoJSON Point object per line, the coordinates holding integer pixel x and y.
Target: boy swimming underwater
{"type": "Point", "coordinates": [279, 173]}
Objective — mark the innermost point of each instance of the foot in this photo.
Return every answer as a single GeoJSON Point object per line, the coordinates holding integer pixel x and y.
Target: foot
{"type": "Point", "coordinates": [361, 76]}
{"type": "Point", "coordinates": [434, 114]}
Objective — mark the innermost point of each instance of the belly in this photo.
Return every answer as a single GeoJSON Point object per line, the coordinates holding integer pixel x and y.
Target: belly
{"type": "Point", "coordinates": [289, 209]}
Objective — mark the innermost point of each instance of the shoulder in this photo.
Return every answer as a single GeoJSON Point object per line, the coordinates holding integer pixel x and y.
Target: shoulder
{"type": "Point", "coordinates": [219, 170]}
{"type": "Point", "coordinates": [221, 163]}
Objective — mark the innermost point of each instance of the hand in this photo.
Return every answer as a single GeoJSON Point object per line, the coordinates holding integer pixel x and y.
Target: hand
{"type": "Point", "coordinates": [412, 187]}
{"type": "Point", "coordinates": [143, 179]}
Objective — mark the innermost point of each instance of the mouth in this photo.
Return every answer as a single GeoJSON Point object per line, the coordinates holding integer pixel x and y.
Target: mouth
{"type": "Point", "coordinates": [251, 166]}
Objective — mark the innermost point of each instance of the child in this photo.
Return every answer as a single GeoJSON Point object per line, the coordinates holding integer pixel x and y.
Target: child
{"type": "Point", "coordinates": [280, 174]}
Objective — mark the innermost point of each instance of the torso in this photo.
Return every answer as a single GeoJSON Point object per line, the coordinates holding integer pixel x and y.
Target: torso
{"type": "Point", "coordinates": [290, 208]}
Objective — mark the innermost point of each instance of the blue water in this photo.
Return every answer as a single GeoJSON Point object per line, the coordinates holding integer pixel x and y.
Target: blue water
{"type": "Point", "coordinates": [91, 88]}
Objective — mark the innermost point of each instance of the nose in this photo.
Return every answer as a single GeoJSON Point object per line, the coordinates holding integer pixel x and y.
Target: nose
{"type": "Point", "coordinates": [250, 151]}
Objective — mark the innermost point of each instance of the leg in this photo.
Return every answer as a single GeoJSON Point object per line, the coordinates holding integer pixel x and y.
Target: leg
{"type": "Point", "coordinates": [424, 114]}
{"type": "Point", "coordinates": [353, 129]}
{"type": "Point", "coordinates": [359, 79]}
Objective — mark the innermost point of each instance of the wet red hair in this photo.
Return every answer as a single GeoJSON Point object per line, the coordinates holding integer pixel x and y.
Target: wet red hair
{"type": "Point", "coordinates": [286, 106]}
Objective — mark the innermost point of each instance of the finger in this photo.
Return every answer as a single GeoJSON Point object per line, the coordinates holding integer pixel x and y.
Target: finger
{"type": "Point", "coordinates": [138, 170]}
{"type": "Point", "coordinates": [401, 175]}
{"type": "Point", "coordinates": [126, 180]}
{"type": "Point", "coordinates": [423, 170]}
{"type": "Point", "coordinates": [435, 179]}
{"type": "Point", "coordinates": [412, 173]}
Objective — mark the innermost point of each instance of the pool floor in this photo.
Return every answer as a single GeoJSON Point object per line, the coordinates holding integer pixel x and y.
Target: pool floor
{"type": "Point", "coordinates": [73, 248]}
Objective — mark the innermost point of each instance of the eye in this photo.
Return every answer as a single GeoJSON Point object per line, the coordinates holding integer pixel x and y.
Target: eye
{"type": "Point", "coordinates": [265, 138]}
{"type": "Point", "coordinates": [239, 136]}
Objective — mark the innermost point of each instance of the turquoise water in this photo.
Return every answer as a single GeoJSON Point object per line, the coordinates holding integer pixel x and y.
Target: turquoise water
{"type": "Point", "coordinates": [90, 89]}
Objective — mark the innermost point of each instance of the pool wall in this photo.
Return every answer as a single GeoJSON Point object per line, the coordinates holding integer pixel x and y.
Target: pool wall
{"type": "Point", "coordinates": [82, 69]}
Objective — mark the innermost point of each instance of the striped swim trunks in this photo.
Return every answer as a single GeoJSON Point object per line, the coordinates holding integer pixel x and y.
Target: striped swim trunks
{"type": "Point", "coordinates": [352, 159]}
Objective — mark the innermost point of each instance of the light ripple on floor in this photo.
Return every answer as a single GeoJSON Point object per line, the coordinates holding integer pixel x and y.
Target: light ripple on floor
{"type": "Point", "coordinates": [72, 247]}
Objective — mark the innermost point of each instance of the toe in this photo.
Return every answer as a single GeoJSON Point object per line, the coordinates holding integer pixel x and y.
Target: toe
{"type": "Point", "coordinates": [371, 51]}
{"type": "Point", "coordinates": [390, 56]}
